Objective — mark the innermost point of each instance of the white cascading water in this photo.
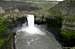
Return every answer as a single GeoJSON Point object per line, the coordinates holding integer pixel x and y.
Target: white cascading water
{"type": "Point", "coordinates": [31, 28]}
{"type": "Point", "coordinates": [30, 19]}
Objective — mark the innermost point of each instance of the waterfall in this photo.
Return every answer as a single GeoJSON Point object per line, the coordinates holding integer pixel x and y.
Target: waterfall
{"type": "Point", "coordinates": [32, 37]}
{"type": "Point", "coordinates": [31, 28]}
{"type": "Point", "coordinates": [30, 19]}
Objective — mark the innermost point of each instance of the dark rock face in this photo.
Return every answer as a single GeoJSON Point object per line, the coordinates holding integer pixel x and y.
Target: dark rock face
{"type": "Point", "coordinates": [10, 5]}
{"type": "Point", "coordinates": [66, 7]}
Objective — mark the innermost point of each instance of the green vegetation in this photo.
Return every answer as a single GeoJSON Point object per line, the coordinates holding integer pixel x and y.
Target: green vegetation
{"type": "Point", "coordinates": [68, 35]}
{"type": "Point", "coordinates": [3, 24]}
{"type": "Point", "coordinates": [3, 29]}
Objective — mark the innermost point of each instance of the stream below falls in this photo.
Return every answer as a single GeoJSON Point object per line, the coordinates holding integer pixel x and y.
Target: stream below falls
{"type": "Point", "coordinates": [27, 41]}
